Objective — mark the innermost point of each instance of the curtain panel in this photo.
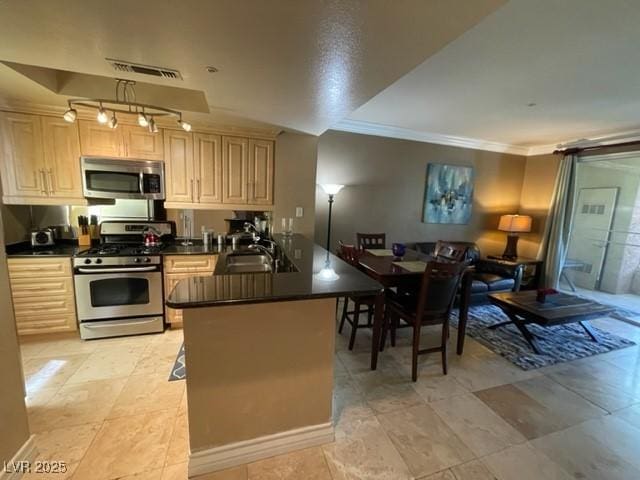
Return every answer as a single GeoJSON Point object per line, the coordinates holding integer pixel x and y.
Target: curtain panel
{"type": "Point", "coordinates": [555, 241]}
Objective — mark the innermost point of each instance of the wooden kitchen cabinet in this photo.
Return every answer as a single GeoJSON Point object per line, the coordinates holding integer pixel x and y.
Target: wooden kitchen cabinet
{"type": "Point", "coordinates": [43, 295]}
{"type": "Point", "coordinates": [22, 156]}
{"type": "Point", "coordinates": [142, 144]}
{"type": "Point", "coordinates": [40, 162]}
{"type": "Point", "coordinates": [178, 167]}
{"type": "Point", "coordinates": [179, 267]}
{"type": "Point", "coordinates": [193, 167]}
{"type": "Point", "coordinates": [208, 164]}
{"type": "Point", "coordinates": [126, 141]}
{"type": "Point", "coordinates": [260, 172]}
{"type": "Point", "coordinates": [62, 158]}
{"type": "Point", "coordinates": [99, 140]}
{"type": "Point", "coordinates": [235, 158]}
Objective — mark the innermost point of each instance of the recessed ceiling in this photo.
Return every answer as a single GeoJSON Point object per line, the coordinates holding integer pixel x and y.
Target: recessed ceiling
{"type": "Point", "coordinates": [300, 64]}
{"type": "Point", "coordinates": [578, 61]}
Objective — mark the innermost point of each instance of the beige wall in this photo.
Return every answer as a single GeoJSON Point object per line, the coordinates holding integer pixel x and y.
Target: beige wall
{"type": "Point", "coordinates": [295, 182]}
{"type": "Point", "coordinates": [249, 377]}
{"type": "Point", "coordinates": [386, 183]}
{"type": "Point", "coordinates": [537, 191]}
{"type": "Point", "coordinates": [13, 415]}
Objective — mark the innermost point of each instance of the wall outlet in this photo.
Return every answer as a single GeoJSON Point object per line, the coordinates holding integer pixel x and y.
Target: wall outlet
{"type": "Point", "coordinates": [299, 212]}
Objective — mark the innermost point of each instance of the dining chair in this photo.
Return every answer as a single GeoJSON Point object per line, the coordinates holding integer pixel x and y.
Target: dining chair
{"type": "Point", "coordinates": [371, 240]}
{"type": "Point", "coordinates": [432, 306]}
{"type": "Point", "coordinates": [452, 251]}
{"type": "Point", "coordinates": [351, 255]}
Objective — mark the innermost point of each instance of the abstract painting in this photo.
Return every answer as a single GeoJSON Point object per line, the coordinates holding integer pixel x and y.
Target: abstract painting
{"type": "Point", "coordinates": [448, 194]}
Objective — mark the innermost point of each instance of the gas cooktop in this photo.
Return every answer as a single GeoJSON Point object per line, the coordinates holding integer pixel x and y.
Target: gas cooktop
{"type": "Point", "coordinates": [120, 250]}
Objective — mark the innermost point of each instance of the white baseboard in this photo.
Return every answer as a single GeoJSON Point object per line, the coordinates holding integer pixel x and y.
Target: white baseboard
{"type": "Point", "coordinates": [233, 454]}
{"type": "Point", "coordinates": [27, 453]}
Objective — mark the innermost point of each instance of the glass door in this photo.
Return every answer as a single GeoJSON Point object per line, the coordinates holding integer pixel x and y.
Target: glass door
{"type": "Point", "coordinates": [603, 259]}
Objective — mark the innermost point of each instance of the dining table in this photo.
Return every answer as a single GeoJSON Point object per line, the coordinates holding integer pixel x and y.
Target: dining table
{"type": "Point", "coordinates": [406, 273]}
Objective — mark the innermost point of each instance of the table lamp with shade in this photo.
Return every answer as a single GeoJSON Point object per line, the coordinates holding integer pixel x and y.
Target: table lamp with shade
{"type": "Point", "coordinates": [513, 224]}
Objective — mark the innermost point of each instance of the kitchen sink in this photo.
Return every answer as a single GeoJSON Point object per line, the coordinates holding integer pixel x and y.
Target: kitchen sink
{"type": "Point", "coordinates": [248, 263]}
{"type": "Point", "coordinates": [255, 268]}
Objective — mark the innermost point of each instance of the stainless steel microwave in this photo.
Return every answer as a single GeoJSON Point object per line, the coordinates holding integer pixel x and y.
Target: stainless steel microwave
{"type": "Point", "coordinates": [115, 178]}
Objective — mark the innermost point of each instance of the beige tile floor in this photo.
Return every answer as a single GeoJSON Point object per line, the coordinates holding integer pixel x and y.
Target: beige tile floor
{"type": "Point", "coordinates": [106, 408]}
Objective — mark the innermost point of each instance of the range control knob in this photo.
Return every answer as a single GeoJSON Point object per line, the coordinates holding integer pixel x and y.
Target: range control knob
{"type": "Point", "coordinates": [136, 260]}
{"type": "Point", "coordinates": [147, 260]}
{"type": "Point", "coordinates": [98, 260]}
{"type": "Point", "coordinates": [87, 261]}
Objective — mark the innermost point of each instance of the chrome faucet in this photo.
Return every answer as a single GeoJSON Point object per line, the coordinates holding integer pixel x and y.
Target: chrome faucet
{"type": "Point", "coordinates": [248, 226]}
{"type": "Point", "coordinates": [263, 249]}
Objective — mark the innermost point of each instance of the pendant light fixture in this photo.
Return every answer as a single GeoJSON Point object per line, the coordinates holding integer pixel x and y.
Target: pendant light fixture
{"type": "Point", "coordinates": [153, 128]}
{"type": "Point", "coordinates": [70, 115]}
{"type": "Point", "coordinates": [113, 121]}
{"type": "Point", "coordinates": [142, 119]}
{"type": "Point", "coordinates": [102, 115]}
{"type": "Point", "coordinates": [124, 104]}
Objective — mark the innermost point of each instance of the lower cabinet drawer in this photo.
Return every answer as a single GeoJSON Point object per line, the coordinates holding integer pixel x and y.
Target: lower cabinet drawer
{"type": "Point", "coordinates": [28, 288]}
{"type": "Point", "coordinates": [35, 269]}
{"type": "Point", "coordinates": [190, 263]}
{"type": "Point", "coordinates": [46, 305]}
{"type": "Point", "coordinates": [49, 323]}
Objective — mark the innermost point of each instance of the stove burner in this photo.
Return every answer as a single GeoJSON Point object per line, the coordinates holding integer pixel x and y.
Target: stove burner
{"type": "Point", "coordinates": [103, 250]}
{"type": "Point", "coordinates": [122, 250]}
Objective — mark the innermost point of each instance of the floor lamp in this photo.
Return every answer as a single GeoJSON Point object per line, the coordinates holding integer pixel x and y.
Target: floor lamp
{"type": "Point", "coordinates": [330, 189]}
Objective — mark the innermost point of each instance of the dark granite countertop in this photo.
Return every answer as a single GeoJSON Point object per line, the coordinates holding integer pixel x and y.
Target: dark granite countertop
{"type": "Point", "coordinates": [306, 283]}
{"type": "Point", "coordinates": [24, 249]}
{"type": "Point", "coordinates": [195, 249]}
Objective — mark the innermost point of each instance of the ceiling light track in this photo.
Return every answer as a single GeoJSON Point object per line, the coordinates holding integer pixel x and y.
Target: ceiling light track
{"type": "Point", "coordinates": [124, 103]}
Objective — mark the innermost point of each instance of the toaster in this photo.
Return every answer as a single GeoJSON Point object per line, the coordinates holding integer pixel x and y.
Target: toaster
{"type": "Point", "coordinates": [42, 238]}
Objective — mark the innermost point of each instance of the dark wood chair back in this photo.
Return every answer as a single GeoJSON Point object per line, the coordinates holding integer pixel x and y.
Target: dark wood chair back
{"type": "Point", "coordinates": [371, 240]}
{"type": "Point", "coordinates": [452, 251]}
{"type": "Point", "coordinates": [349, 253]}
{"type": "Point", "coordinates": [438, 289]}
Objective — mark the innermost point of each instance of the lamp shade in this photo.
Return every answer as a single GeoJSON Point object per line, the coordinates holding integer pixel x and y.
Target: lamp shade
{"type": "Point", "coordinates": [515, 223]}
{"type": "Point", "coordinates": [331, 188]}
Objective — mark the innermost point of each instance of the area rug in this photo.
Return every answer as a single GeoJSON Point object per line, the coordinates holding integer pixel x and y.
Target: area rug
{"type": "Point", "coordinates": [179, 369]}
{"type": "Point", "coordinates": [561, 343]}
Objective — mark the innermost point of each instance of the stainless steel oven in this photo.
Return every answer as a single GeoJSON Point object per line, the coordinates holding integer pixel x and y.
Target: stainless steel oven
{"type": "Point", "coordinates": [118, 295]}
{"type": "Point", "coordinates": [126, 179]}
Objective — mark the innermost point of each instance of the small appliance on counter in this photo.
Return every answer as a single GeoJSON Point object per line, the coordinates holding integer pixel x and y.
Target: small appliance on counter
{"type": "Point", "coordinates": [119, 283]}
{"type": "Point", "coordinates": [236, 224]}
{"type": "Point", "coordinates": [43, 237]}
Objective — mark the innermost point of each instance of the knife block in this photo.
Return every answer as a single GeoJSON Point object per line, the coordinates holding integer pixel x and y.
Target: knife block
{"type": "Point", "coordinates": [84, 239]}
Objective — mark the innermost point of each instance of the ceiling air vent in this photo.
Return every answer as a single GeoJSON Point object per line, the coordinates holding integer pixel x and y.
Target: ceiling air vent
{"type": "Point", "coordinates": [122, 66]}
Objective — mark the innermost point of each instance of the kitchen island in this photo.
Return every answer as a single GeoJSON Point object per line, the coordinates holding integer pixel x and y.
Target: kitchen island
{"type": "Point", "coordinates": [259, 354]}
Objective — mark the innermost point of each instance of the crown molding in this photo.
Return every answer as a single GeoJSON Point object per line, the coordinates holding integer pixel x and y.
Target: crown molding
{"type": "Point", "coordinates": [542, 149]}
{"type": "Point", "coordinates": [368, 128]}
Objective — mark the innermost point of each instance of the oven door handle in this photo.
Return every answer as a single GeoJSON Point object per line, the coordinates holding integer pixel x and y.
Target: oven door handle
{"type": "Point", "coordinates": [97, 325]}
{"type": "Point", "coordinates": [116, 270]}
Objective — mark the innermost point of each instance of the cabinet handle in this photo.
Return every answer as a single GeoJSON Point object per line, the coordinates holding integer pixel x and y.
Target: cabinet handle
{"type": "Point", "coordinates": [192, 190]}
{"type": "Point", "coordinates": [50, 184]}
{"type": "Point", "coordinates": [198, 185]}
{"type": "Point", "coordinates": [43, 182]}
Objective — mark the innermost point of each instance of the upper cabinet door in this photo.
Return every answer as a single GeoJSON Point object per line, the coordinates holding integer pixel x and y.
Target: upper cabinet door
{"type": "Point", "coordinates": [100, 140]}
{"type": "Point", "coordinates": [260, 172]}
{"type": "Point", "coordinates": [62, 157]}
{"type": "Point", "coordinates": [140, 143]}
{"type": "Point", "coordinates": [22, 164]}
{"type": "Point", "coordinates": [235, 170]}
{"type": "Point", "coordinates": [208, 162]}
{"type": "Point", "coordinates": [178, 157]}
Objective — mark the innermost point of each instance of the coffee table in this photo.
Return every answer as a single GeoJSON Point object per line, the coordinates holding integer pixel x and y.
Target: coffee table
{"type": "Point", "coordinates": [522, 308]}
